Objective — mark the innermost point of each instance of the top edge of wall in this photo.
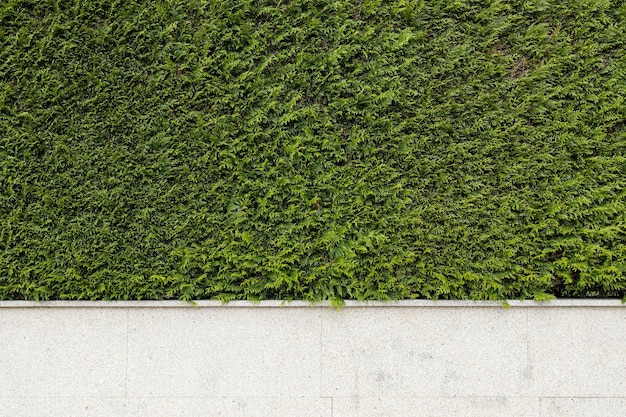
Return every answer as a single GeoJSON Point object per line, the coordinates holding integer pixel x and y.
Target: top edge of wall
{"type": "Point", "coordinates": [584, 302]}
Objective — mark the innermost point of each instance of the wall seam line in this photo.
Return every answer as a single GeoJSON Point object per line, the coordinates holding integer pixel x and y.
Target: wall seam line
{"type": "Point", "coordinates": [528, 366]}
{"type": "Point", "coordinates": [126, 367]}
{"type": "Point", "coordinates": [321, 383]}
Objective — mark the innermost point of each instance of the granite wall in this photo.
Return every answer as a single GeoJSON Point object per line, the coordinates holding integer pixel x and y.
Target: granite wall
{"type": "Point", "coordinates": [410, 358]}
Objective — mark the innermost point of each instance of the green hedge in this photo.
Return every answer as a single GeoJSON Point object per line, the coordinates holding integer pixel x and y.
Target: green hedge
{"type": "Point", "coordinates": [364, 149]}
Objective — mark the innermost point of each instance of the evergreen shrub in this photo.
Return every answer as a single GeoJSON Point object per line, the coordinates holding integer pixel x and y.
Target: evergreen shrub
{"type": "Point", "coordinates": [312, 149]}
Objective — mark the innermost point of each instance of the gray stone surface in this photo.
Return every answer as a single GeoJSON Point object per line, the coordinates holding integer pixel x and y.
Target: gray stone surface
{"type": "Point", "coordinates": [435, 407]}
{"type": "Point", "coordinates": [583, 407]}
{"type": "Point", "coordinates": [575, 303]}
{"type": "Point", "coordinates": [62, 353]}
{"type": "Point", "coordinates": [63, 407]}
{"type": "Point", "coordinates": [226, 407]}
{"type": "Point", "coordinates": [424, 352]}
{"type": "Point", "coordinates": [165, 407]}
{"type": "Point", "coordinates": [577, 352]}
{"type": "Point", "coordinates": [413, 358]}
{"type": "Point", "coordinates": [224, 353]}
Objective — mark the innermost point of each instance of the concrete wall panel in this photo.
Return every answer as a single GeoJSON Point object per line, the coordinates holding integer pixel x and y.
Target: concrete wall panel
{"type": "Point", "coordinates": [263, 352]}
{"type": "Point", "coordinates": [424, 352]}
{"type": "Point", "coordinates": [417, 358]}
{"type": "Point", "coordinates": [583, 407]}
{"type": "Point", "coordinates": [62, 352]}
{"type": "Point", "coordinates": [63, 407]}
{"type": "Point", "coordinates": [226, 407]}
{"type": "Point", "coordinates": [435, 407]}
{"type": "Point", "coordinates": [577, 352]}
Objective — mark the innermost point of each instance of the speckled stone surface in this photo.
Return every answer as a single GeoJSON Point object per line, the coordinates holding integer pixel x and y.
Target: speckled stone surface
{"type": "Point", "coordinates": [577, 352]}
{"type": "Point", "coordinates": [413, 358]}
{"type": "Point", "coordinates": [63, 407]}
{"type": "Point", "coordinates": [224, 353]}
{"type": "Point", "coordinates": [424, 352]}
{"type": "Point", "coordinates": [583, 407]}
{"type": "Point", "coordinates": [63, 353]}
{"type": "Point", "coordinates": [165, 407]}
{"type": "Point", "coordinates": [240, 407]}
{"type": "Point", "coordinates": [435, 407]}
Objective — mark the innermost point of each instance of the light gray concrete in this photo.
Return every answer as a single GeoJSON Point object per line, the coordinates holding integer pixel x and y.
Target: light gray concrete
{"type": "Point", "coordinates": [600, 303]}
{"type": "Point", "coordinates": [215, 352]}
{"type": "Point", "coordinates": [52, 352]}
{"type": "Point", "coordinates": [165, 407]}
{"type": "Point", "coordinates": [409, 358]}
{"type": "Point", "coordinates": [240, 407]}
{"type": "Point", "coordinates": [583, 407]}
{"type": "Point", "coordinates": [436, 407]}
{"type": "Point", "coordinates": [424, 352]}
{"type": "Point", "coordinates": [577, 352]}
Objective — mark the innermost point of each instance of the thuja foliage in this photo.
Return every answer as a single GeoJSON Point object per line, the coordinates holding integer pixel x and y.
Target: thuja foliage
{"type": "Point", "coordinates": [312, 149]}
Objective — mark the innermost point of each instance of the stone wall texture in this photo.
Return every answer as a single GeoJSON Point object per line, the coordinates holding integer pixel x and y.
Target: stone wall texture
{"type": "Point", "coordinates": [408, 358]}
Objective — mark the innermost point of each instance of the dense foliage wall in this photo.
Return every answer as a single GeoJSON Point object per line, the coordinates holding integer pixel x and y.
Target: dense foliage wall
{"type": "Point", "coordinates": [312, 149]}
